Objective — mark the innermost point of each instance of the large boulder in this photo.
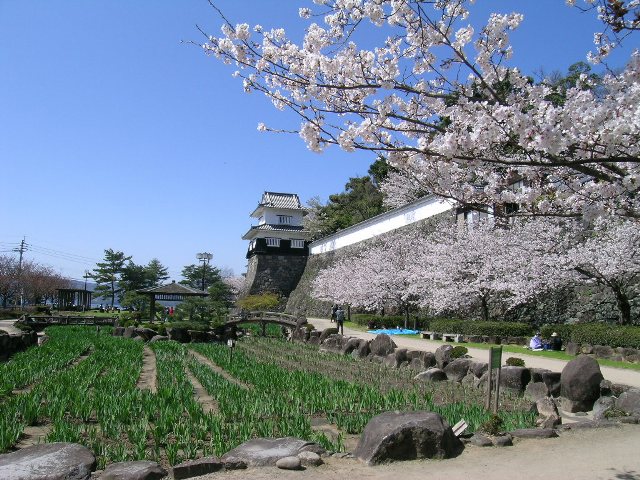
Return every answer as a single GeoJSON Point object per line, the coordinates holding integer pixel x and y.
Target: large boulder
{"type": "Point", "coordinates": [572, 349]}
{"type": "Point", "coordinates": [406, 436]}
{"type": "Point", "coordinates": [443, 356]}
{"type": "Point", "coordinates": [433, 374]}
{"type": "Point", "coordinates": [350, 345]}
{"type": "Point", "coordinates": [261, 452]}
{"type": "Point", "coordinates": [129, 332]}
{"type": "Point", "coordinates": [478, 368]}
{"type": "Point", "coordinates": [138, 470]}
{"type": "Point", "coordinates": [548, 411]}
{"type": "Point", "coordinates": [178, 334]}
{"type": "Point", "coordinates": [146, 333]}
{"type": "Point", "coordinates": [198, 336]}
{"type": "Point", "coordinates": [601, 406]}
{"type": "Point", "coordinates": [536, 390]}
{"type": "Point", "coordinates": [48, 461]}
{"type": "Point", "coordinates": [552, 381]}
{"type": "Point", "coordinates": [362, 351]}
{"type": "Point", "coordinates": [382, 345]}
{"type": "Point", "coordinates": [629, 402]}
{"type": "Point", "coordinates": [580, 384]}
{"type": "Point", "coordinates": [326, 332]}
{"type": "Point", "coordinates": [515, 379]}
{"type": "Point", "coordinates": [603, 351]}
{"type": "Point", "coordinates": [391, 361]}
{"type": "Point", "coordinates": [195, 468]}
{"type": "Point", "coordinates": [334, 343]}
{"type": "Point", "coordinates": [457, 369]}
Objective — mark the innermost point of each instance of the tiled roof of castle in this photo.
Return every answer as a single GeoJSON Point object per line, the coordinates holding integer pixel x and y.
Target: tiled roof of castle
{"type": "Point", "coordinates": [281, 200]}
{"type": "Point", "coordinates": [265, 227]}
{"type": "Point", "coordinates": [271, 227]}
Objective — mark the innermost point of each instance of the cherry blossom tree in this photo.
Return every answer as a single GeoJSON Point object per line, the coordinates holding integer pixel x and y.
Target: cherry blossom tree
{"type": "Point", "coordinates": [610, 257]}
{"type": "Point", "coordinates": [489, 265]}
{"type": "Point", "coordinates": [620, 19]}
{"type": "Point", "coordinates": [437, 99]}
{"type": "Point", "coordinates": [382, 275]}
{"type": "Point", "coordinates": [453, 268]}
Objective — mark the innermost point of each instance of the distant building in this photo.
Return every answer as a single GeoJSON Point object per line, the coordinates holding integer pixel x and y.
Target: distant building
{"type": "Point", "coordinates": [278, 245]}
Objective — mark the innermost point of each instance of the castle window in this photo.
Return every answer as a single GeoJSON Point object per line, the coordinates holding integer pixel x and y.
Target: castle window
{"type": "Point", "coordinates": [284, 219]}
{"type": "Point", "coordinates": [296, 243]}
{"type": "Point", "coordinates": [272, 242]}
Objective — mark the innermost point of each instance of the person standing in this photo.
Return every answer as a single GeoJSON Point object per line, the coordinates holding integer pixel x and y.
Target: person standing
{"type": "Point", "coordinates": [334, 309]}
{"type": "Point", "coordinates": [340, 320]}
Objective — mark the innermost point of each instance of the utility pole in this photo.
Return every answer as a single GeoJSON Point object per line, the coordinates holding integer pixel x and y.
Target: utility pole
{"type": "Point", "coordinates": [205, 258]}
{"type": "Point", "coordinates": [21, 250]}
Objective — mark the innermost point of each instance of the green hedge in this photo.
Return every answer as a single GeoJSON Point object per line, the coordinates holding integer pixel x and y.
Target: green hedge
{"type": "Point", "coordinates": [596, 334]}
{"type": "Point", "coordinates": [386, 321]}
{"type": "Point", "coordinates": [468, 327]}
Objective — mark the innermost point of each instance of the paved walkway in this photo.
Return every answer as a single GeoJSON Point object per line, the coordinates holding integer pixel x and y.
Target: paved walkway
{"type": "Point", "coordinates": [7, 326]}
{"type": "Point", "coordinates": [615, 375]}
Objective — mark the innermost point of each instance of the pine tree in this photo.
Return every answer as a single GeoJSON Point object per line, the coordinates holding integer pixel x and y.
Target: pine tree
{"type": "Point", "coordinates": [108, 273]}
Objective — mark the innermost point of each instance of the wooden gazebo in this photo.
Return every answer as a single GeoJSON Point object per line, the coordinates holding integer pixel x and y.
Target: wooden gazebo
{"type": "Point", "coordinates": [173, 292]}
{"type": "Point", "coordinates": [69, 298]}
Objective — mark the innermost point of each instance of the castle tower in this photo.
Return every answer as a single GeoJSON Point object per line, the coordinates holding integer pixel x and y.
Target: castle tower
{"type": "Point", "coordinates": [278, 245]}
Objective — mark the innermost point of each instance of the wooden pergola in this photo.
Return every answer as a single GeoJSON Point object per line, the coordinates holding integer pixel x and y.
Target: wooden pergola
{"type": "Point", "coordinates": [71, 297]}
{"type": "Point", "coordinates": [173, 292]}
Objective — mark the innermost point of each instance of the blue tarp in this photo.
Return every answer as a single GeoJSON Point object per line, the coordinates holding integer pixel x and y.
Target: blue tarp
{"type": "Point", "coordinates": [394, 331]}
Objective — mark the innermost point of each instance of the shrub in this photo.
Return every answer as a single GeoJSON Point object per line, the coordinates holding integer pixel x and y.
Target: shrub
{"type": "Point", "coordinates": [264, 301]}
{"type": "Point", "coordinates": [199, 326]}
{"type": "Point", "coordinates": [128, 319]}
{"type": "Point", "coordinates": [459, 351]}
{"type": "Point", "coordinates": [596, 334]}
{"type": "Point", "coordinates": [515, 362]}
{"type": "Point", "coordinates": [469, 327]}
{"type": "Point", "coordinates": [384, 321]}
{"type": "Point", "coordinates": [23, 326]}
{"type": "Point", "coordinates": [492, 426]}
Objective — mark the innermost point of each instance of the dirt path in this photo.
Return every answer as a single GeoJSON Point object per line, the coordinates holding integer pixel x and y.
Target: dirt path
{"type": "Point", "coordinates": [595, 454]}
{"type": "Point", "coordinates": [615, 375]}
{"type": "Point", "coordinates": [148, 379]}
{"type": "Point", "coordinates": [220, 371]}
{"type": "Point", "coordinates": [205, 400]}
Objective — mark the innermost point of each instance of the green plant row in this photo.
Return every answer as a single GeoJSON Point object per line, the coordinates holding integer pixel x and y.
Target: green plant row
{"type": "Point", "coordinates": [470, 327]}
{"type": "Point", "coordinates": [596, 334]}
{"type": "Point", "coordinates": [35, 363]}
{"type": "Point", "coordinates": [348, 404]}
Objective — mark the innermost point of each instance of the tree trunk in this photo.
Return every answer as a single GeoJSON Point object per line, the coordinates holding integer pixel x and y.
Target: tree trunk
{"type": "Point", "coordinates": [406, 317]}
{"type": "Point", "coordinates": [622, 300]}
{"type": "Point", "coordinates": [485, 308]}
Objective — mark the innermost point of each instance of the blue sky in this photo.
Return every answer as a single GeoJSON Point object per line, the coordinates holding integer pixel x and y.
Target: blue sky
{"type": "Point", "coordinates": [115, 132]}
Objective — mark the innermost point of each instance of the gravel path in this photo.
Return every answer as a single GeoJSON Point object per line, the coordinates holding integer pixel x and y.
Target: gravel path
{"type": "Point", "coordinates": [593, 454]}
{"type": "Point", "coordinates": [615, 375]}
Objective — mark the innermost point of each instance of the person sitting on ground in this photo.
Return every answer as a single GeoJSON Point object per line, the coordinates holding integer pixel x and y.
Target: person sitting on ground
{"type": "Point", "coordinates": [536, 342]}
{"type": "Point", "coordinates": [555, 343]}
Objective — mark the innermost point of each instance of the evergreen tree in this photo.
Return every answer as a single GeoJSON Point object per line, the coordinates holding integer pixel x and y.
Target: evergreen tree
{"type": "Point", "coordinates": [156, 273]}
{"type": "Point", "coordinates": [108, 274]}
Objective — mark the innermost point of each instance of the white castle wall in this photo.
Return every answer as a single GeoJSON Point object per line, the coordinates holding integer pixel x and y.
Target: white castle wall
{"type": "Point", "coordinates": [400, 217]}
